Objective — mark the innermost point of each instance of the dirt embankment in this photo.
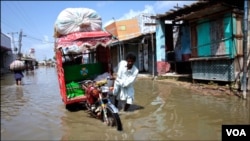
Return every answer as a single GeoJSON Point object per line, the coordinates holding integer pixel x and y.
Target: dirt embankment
{"type": "Point", "coordinates": [207, 88]}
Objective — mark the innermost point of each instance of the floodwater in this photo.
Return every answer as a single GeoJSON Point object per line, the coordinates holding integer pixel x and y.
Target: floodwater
{"type": "Point", "coordinates": [161, 111]}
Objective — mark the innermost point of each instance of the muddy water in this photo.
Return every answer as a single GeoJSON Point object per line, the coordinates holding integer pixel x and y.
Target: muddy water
{"type": "Point", "coordinates": [162, 111]}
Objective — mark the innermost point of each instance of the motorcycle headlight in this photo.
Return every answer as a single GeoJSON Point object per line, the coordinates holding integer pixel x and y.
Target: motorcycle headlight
{"type": "Point", "coordinates": [105, 89]}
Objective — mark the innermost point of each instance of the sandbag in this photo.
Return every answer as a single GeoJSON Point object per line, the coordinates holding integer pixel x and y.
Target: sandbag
{"type": "Point", "coordinates": [17, 65]}
{"type": "Point", "coordinates": [72, 20]}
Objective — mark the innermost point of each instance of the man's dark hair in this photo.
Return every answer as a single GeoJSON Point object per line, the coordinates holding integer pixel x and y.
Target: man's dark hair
{"type": "Point", "coordinates": [131, 56]}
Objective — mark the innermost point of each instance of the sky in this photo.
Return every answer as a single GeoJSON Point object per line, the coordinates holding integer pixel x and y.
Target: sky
{"type": "Point", "coordinates": [36, 19]}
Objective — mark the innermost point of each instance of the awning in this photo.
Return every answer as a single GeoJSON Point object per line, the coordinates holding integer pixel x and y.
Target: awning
{"type": "Point", "coordinates": [4, 49]}
{"type": "Point", "coordinates": [118, 41]}
{"type": "Point", "coordinates": [84, 40]}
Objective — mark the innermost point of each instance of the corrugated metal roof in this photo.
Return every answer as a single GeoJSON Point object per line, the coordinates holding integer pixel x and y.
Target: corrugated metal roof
{"type": "Point", "coordinates": [206, 11]}
{"type": "Point", "coordinates": [198, 6]}
{"type": "Point", "coordinates": [172, 14]}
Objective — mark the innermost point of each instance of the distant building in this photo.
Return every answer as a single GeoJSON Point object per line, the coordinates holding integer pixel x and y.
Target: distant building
{"type": "Point", "coordinates": [131, 28]}
{"type": "Point", "coordinates": [131, 35]}
{"type": "Point", "coordinates": [6, 54]}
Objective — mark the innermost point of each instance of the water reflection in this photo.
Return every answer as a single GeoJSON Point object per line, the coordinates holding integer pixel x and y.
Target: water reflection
{"type": "Point", "coordinates": [162, 111]}
{"type": "Point", "coordinates": [19, 92]}
{"type": "Point", "coordinates": [11, 101]}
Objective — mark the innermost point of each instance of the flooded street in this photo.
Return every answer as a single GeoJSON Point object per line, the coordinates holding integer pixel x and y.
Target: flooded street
{"type": "Point", "coordinates": [162, 111]}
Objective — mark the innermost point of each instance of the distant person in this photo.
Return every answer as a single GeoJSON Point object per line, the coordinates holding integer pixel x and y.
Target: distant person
{"type": "Point", "coordinates": [123, 86]}
{"type": "Point", "coordinates": [18, 74]}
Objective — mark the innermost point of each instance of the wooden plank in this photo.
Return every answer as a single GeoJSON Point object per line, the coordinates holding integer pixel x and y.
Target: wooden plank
{"type": "Point", "coordinates": [150, 24]}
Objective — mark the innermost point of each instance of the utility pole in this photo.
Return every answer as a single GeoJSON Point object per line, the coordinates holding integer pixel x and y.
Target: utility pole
{"type": "Point", "coordinates": [244, 83]}
{"type": "Point", "coordinates": [153, 46]}
{"type": "Point", "coordinates": [20, 42]}
{"type": "Point", "coordinates": [13, 40]}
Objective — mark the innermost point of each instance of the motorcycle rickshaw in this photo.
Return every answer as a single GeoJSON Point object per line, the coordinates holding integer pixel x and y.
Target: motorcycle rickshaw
{"type": "Point", "coordinates": [83, 56]}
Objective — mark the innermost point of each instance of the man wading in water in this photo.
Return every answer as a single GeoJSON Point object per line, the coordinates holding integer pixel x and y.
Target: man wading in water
{"type": "Point", "coordinates": [123, 87]}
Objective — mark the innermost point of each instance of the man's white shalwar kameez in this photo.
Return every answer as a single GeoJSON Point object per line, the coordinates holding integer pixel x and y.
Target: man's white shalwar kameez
{"type": "Point", "coordinates": [123, 86]}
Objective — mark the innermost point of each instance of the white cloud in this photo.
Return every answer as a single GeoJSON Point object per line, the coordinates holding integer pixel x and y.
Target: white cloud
{"type": "Point", "coordinates": [149, 9]}
{"type": "Point", "coordinates": [45, 39]}
{"type": "Point", "coordinates": [45, 49]}
{"type": "Point", "coordinates": [158, 8]}
{"type": "Point", "coordinates": [132, 13]}
{"type": "Point", "coordinates": [103, 3]}
{"type": "Point", "coordinates": [164, 6]}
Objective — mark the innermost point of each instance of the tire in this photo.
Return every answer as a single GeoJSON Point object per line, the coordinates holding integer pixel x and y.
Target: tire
{"type": "Point", "coordinates": [114, 119]}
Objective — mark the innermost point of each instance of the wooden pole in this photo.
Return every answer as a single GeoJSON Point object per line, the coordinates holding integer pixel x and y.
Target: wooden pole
{"type": "Point", "coordinates": [245, 53]}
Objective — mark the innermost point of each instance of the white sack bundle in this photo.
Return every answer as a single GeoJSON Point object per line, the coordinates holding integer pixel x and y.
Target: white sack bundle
{"type": "Point", "coordinates": [17, 65]}
{"type": "Point", "coordinates": [72, 20]}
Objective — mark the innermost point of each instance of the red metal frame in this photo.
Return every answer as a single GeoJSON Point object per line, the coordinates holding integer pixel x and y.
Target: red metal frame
{"type": "Point", "coordinates": [61, 81]}
{"type": "Point", "coordinates": [93, 39]}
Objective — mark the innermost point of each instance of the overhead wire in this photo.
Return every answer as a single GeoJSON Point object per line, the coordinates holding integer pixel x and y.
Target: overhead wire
{"type": "Point", "coordinates": [15, 24]}
{"type": "Point", "coordinates": [48, 42]}
{"type": "Point", "coordinates": [21, 16]}
{"type": "Point", "coordinates": [18, 11]}
{"type": "Point", "coordinates": [7, 25]}
{"type": "Point", "coordinates": [30, 33]}
{"type": "Point", "coordinates": [25, 16]}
